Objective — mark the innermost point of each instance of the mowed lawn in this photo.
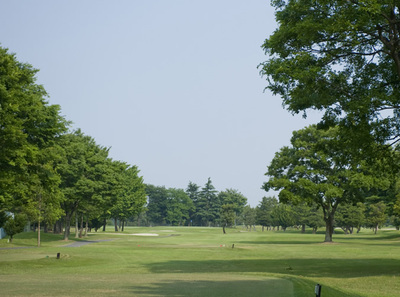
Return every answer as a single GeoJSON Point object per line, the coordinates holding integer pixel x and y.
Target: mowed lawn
{"type": "Point", "coordinates": [191, 261]}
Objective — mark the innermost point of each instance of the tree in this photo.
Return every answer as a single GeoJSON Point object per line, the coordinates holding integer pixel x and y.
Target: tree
{"type": "Point", "coordinates": [264, 211]}
{"type": "Point", "coordinates": [29, 127]}
{"type": "Point", "coordinates": [126, 191]}
{"type": "Point", "coordinates": [179, 207]}
{"type": "Point", "coordinates": [376, 215]}
{"type": "Point", "coordinates": [249, 216]}
{"type": "Point", "coordinates": [157, 204]}
{"type": "Point", "coordinates": [227, 216]}
{"type": "Point", "coordinates": [341, 57]}
{"type": "Point", "coordinates": [283, 215]}
{"type": "Point", "coordinates": [192, 191]}
{"type": "Point", "coordinates": [82, 171]}
{"type": "Point", "coordinates": [208, 206]}
{"type": "Point", "coordinates": [301, 213]}
{"type": "Point", "coordinates": [314, 170]}
{"type": "Point", "coordinates": [315, 218]}
{"type": "Point", "coordinates": [235, 199]}
{"type": "Point", "coordinates": [349, 216]}
{"type": "Point", "coordinates": [14, 225]}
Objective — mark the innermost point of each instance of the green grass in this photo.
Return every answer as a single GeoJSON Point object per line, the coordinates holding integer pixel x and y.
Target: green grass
{"type": "Point", "coordinates": [184, 261]}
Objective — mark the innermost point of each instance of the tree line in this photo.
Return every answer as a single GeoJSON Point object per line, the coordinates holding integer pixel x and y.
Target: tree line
{"type": "Point", "coordinates": [48, 174]}
{"type": "Point", "coordinates": [272, 215]}
{"type": "Point", "coordinates": [194, 206]}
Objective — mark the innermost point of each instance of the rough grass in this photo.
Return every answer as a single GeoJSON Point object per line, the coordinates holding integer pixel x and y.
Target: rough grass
{"type": "Point", "coordinates": [189, 261]}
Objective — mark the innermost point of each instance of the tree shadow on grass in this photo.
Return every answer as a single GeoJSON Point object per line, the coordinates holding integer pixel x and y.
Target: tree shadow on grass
{"type": "Point", "coordinates": [271, 242]}
{"type": "Point", "coordinates": [215, 288]}
{"type": "Point", "coordinates": [336, 268]}
{"type": "Point", "coordinates": [211, 288]}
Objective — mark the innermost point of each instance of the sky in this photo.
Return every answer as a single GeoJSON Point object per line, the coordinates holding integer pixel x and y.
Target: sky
{"type": "Point", "coordinates": [171, 86]}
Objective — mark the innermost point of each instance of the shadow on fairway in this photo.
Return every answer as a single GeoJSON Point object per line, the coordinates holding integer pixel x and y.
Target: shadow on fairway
{"type": "Point", "coordinates": [337, 268]}
{"type": "Point", "coordinates": [209, 288]}
{"type": "Point", "coordinates": [271, 242]}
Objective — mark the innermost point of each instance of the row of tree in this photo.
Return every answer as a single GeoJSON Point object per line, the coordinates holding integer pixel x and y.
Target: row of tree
{"type": "Point", "coordinates": [372, 214]}
{"type": "Point", "coordinates": [48, 172]}
{"type": "Point", "coordinates": [194, 206]}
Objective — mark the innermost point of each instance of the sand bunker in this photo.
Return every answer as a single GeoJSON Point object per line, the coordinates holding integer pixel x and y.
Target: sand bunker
{"type": "Point", "coordinates": [144, 234]}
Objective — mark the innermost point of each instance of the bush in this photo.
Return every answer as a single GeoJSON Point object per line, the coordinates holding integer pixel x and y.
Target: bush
{"type": "Point", "coordinates": [15, 225]}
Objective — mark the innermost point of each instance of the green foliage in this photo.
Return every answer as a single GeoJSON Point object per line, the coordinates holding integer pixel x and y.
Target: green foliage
{"type": "Point", "coordinates": [157, 204]}
{"type": "Point", "coordinates": [28, 130]}
{"type": "Point", "coordinates": [3, 218]}
{"type": "Point", "coordinates": [350, 216]}
{"type": "Point", "coordinates": [208, 205]}
{"type": "Point", "coordinates": [227, 215]}
{"type": "Point", "coordinates": [249, 216]}
{"type": "Point", "coordinates": [233, 197]}
{"type": "Point", "coordinates": [340, 57]}
{"type": "Point", "coordinates": [179, 207]}
{"type": "Point", "coordinates": [375, 215]}
{"type": "Point", "coordinates": [264, 211]}
{"type": "Point", "coordinates": [315, 170]}
{"type": "Point", "coordinates": [168, 206]}
{"type": "Point", "coordinates": [283, 215]}
{"type": "Point", "coordinates": [14, 225]}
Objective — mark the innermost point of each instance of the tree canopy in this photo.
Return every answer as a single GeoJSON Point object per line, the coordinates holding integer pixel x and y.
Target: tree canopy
{"type": "Point", "coordinates": [341, 57]}
{"type": "Point", "coordinates": [313, 171]}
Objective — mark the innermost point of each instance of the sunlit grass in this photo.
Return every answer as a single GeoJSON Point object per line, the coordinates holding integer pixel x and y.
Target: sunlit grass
{"type": "Point", "coordinates": [190, 261]}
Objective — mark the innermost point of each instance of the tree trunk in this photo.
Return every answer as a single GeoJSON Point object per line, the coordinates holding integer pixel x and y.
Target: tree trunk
{"type": "Point", "coordinates": [376, 228]}
{"type": "Point", "coordinates": [38, 234]}
{"type": "Point", "coordinates": [76, 225]}
{"type": "Point", "coordinates": [87, 226]}
{"type": "Point", "coordinates": [104, 225]}
{"type": "Point", "coordinates": [67, 225]}
{"type": "Point", "coordinates": [81, 229]}
{"type": "Point", "coordinates": [303, 228]}
{"type": "Point", "coordinates": [223, 229]}
{"type": "Point", "coordinates": [116, 225]}
{"type": "Point", "coordinates": [123, 226]}
{"type": "Point", "coordinates": [329, 228]}
{"type": "Point", "coordinates": [262, 228]}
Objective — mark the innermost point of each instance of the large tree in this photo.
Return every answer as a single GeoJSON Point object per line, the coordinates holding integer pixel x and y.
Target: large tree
{"type": "Point", "coordinates": [157, 204]}
{"type": "Point", "coordinates": [28, 128]}
{"type": "Point", "coordinates": [235, 199]}
{"type": "Point", "coordinates": [314, 171]}
{"type": "Point", "coordinates": [179, 207]}
{"type": "Point", "coordinates": [82, 171]}
{"type": "Point", "coordinates": [341, 57]}
{"type": "Point", "coordinates": [208, 206]}
{"type": "Point", "coordinates": [193, 192]}
{"type": "Point", "coordinates": [264, 211]}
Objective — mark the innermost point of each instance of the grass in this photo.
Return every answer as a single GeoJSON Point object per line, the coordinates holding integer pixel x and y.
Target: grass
{"type": "Point", "coordinates": [190, 261]}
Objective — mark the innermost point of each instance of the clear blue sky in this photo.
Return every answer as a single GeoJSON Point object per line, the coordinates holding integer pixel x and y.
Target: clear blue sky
{"type": "Point", "coordinates": [171, 86]}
